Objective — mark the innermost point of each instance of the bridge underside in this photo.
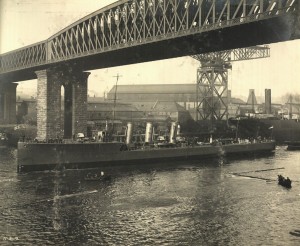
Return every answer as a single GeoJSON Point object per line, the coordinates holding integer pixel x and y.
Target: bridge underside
{"type": "Point", "coordinates": [273, 30]}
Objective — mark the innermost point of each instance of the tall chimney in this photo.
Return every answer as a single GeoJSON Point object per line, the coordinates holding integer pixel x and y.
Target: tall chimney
{"type": "Point", "coordinates": [252, 99]}
{"type": "Point", "coordinates": [268, 104]}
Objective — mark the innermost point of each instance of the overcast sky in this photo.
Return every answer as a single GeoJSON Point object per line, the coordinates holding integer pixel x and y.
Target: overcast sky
{"type": "Point", "coordinates": [24, 22]}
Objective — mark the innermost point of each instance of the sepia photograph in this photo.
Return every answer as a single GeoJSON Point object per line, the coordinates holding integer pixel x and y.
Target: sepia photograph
{"type": "Point", "coordinates": [150, 122]}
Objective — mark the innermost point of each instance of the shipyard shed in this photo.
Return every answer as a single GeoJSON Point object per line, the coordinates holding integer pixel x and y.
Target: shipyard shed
{"type": "Point", "coordinates": [185, 95]}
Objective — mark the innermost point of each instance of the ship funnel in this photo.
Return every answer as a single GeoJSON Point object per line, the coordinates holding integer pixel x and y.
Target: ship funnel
{"type": "Point", "coordinates": [149, 132]}
{"type": "Point", "coordinates": [178, 129]}
{"type": "Point", "coordinates": [173, 132]}
{"type": "Point", "coordinates": [129, 132]}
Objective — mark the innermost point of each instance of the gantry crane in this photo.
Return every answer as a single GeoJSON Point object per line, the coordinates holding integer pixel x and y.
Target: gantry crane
{"type": "Point", "coordinates": [212, 79]}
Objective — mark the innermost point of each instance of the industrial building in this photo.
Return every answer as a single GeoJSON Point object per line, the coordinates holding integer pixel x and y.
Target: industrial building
{"type": "Point", "coordinates": [160, 97]}
{"type": "Point", "coordinates": [162, 103]}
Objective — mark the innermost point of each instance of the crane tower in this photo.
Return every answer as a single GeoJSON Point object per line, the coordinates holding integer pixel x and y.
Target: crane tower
{"type": "Point", "coordinates": [212, 79]}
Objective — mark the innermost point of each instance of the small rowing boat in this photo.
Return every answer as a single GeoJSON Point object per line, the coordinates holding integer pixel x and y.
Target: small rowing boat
{"type": "Point", "coordinates": [286, 182]}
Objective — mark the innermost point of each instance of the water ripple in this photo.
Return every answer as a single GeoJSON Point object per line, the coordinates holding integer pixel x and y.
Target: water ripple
{"type": "Point", "coordinates": [195, 203]}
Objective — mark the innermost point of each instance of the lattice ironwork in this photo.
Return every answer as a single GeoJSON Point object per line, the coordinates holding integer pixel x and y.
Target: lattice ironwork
{"type": "Point", "coordinates": [212, 79]}
{"type": "Point", "coordinates": [248, 53]}
{"type": "Point", "coordinates": [134, 22]}
{"type": "Point", "coordinates": [212, 84]}
{"type": "Point", "coordinates": [25, 57]}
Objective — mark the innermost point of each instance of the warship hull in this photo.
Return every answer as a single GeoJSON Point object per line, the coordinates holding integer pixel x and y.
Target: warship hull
{"type": "Point", "coordinates": [293, 145]}
{"type": "Point", "coordinates": [47, 156]}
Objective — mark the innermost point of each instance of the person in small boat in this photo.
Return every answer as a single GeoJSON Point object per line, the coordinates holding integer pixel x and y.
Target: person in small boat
{"type": "Point", "coordinates": [288, 182]}
{"type": "Point", "coordinates": [280, 178]}
{"type": "Point", "coordinates": [284, 181]}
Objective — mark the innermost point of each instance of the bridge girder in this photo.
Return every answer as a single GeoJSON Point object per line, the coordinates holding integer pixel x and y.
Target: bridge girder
{"type": "Point", "coordinates": [134, 23]}
{"type": "Point", "coordinates": [240, 54]}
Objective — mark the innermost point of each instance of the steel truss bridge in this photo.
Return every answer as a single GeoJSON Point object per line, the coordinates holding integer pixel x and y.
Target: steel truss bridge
{"type": "Point", "coordinates": [132, 31]}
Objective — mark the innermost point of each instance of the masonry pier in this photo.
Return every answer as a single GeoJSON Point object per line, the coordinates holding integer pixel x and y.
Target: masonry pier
{"type": "Point", "coordinates": [50, 123]}
{"type": "Point", "coordinates": [8, 103]}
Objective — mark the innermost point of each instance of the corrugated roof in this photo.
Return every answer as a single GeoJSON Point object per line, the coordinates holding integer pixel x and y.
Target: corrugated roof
{"type": "Point", "coordinates": [108, 107]}
{"type": "Point", "coordinates": [95, 99]}
{"type": "Point", "coordinates": [159, 106]}
{"type": "Point", "coordinates": [155, 88]}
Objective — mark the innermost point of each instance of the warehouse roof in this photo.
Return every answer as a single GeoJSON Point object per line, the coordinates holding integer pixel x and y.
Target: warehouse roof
{"type": "Point", "coordinates": [155, 88]}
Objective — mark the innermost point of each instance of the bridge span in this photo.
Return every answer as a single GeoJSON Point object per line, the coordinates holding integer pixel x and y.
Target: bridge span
{"type": "Point", "coordinates": [134, 31]}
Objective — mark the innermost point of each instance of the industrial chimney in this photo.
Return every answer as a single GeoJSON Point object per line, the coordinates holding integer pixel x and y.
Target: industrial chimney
{"type": "Point", "coordinates": [252, 100]}
{"type": "Point", "coordinates": [268, 104]}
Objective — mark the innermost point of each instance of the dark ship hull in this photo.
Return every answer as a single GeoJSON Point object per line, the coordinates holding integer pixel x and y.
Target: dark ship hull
{"type": "Point", "coordinates": [284, 130]}
{"type": "Point", "coordinates": [44, 156]}
{"type": "Point", "coordinates": [279, 130]}
{"type": "Point", "coordinates": [293, 145]}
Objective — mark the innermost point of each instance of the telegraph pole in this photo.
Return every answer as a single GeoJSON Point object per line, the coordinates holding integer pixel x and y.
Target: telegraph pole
{"type": "Point", "coordinates": [115, 100]}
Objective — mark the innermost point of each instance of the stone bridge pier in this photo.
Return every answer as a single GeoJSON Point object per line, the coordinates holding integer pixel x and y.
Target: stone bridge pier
{"type": "Point", "coordinates": [51, 124]}
{"type": "Point", "coordinates": [8, 103]}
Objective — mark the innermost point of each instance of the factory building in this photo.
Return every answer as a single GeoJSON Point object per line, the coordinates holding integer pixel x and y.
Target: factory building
{"type": "Point", "coordinates": [183, 98]}
{"type": "Point", "coordinates": [162, 104]}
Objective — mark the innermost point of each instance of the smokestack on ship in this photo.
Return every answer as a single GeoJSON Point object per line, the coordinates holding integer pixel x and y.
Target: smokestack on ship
{"type": "Point", "coordinates": [129, 133]}
{"type": "Point", "coordinates": [173, 132]}
{"type": "Point", "coordinates": [178, 130]}
{"type": "Point", "coordinates": [149, 133]}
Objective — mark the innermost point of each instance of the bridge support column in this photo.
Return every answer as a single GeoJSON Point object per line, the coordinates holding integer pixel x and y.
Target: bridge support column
{"type": "Point", "coordinates": [296, 24]}
{"type": "Point", "coordinates": [75, 105]}
{"type": "Point", "coordinates": [49, 118]}
{"type": "Point", "coordinates": [8, 103]}
{"type": "Point", "coordinates": [68, 132]}
{"type": "Point", "coordinates": [48, 104]}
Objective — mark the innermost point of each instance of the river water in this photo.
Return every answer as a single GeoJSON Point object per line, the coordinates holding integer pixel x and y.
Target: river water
{"type": "Point", "coordinates": [184, 203]}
